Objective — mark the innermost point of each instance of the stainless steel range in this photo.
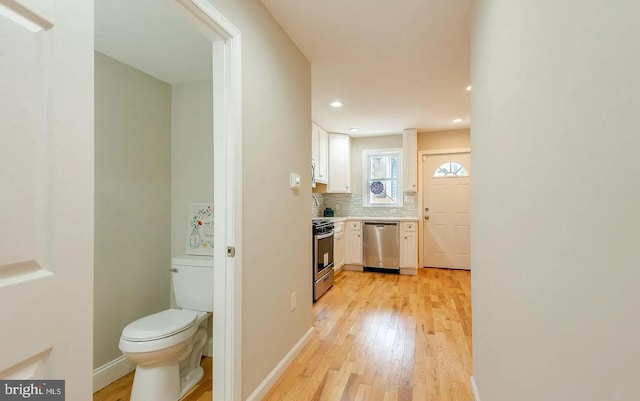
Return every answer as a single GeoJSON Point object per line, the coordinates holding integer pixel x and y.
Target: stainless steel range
{"type": "Point", "coordinates": [322, 256]}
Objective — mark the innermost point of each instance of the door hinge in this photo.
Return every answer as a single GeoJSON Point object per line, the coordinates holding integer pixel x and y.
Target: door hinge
{"type": "Point", "coordinates": [231, 251]}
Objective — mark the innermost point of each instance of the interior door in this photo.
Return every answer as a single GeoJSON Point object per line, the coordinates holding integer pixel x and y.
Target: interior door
{"type": "Point", "coordinates": [46, 176]}
{"type": "Point", "coordinates": [446, 210]}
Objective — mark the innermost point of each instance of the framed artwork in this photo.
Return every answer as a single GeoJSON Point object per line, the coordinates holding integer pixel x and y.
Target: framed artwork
{"type": "Point", "coordinates": [200, 229]}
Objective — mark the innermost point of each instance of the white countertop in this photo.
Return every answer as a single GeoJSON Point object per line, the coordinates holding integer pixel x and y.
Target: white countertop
{"type": "Point", "coordinates": [365, 218]}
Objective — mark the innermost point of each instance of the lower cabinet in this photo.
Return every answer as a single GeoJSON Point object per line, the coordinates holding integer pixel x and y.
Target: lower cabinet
{"type": "Point", "coordinates": [408, 245]}
{"type": "Point", "coordinates": [338, 246]}
{"type": "Point", "coordinates": [353, 243]}
{"type": "Point", "coordinates": [347, 246]}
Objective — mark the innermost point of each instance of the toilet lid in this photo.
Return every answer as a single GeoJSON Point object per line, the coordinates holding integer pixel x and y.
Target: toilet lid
{"type": "Point", "coordinates": [159, 325]}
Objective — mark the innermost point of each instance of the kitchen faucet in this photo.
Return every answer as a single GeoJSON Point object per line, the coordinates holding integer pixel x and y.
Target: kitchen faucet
{"type": "Point", "coordinates": [315, 199]}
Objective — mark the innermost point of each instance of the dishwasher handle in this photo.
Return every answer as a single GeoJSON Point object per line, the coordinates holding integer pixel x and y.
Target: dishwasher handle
{"type": "Point", "coordinates": [381, 224]}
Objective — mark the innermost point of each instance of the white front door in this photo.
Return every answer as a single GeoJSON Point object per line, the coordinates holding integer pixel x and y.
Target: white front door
{"type": "Point", "coordinates": [46, 195]}
{"type": "Point", "coordinates": [446, 210]}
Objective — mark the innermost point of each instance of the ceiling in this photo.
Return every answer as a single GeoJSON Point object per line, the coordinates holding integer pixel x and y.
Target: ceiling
{"type": "Point", "coordinates": [394, 63]}
{"type": "Point", "coordinates": [153, 36]}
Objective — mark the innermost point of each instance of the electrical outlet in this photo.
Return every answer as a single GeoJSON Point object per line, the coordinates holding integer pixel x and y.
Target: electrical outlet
{"type": "Point", "coordinates": [392, 211]}
{"type": "Point", "coordinates": [337, 206]}
{"type": "Point", "coordinates": [293, 301]}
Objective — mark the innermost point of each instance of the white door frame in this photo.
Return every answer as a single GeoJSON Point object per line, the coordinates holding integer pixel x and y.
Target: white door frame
{"type": "Point", "coordinates": [227, 133]}
{"type": "Point", "coordinates": [421, 154]}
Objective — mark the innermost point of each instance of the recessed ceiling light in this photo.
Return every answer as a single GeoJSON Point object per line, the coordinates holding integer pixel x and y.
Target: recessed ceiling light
{"type": "Point", "coordinates": [337, 103]}
{"type": "Point", "coordinates": [354, 129]}
{"type": "Point", "coordinates": [458, 120]}
{"type": "Point", "coordinates": [469, 88]}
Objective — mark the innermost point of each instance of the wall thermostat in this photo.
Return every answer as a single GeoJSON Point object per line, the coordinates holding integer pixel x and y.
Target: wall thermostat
{"type": "Point", "coordinates": [294, 181]}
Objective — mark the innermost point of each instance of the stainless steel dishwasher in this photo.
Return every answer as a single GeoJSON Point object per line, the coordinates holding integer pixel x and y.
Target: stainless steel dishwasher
{"type": "Point", "coordinates": [381, 245]}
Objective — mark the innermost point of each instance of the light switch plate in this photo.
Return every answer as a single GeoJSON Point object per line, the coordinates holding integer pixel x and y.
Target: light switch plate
{"type": "Point", "coordinates": [294, 181]}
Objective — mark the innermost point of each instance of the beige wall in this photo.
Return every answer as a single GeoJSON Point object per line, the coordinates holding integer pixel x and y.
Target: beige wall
{"type": "Point", "coordinates": [372, 142]}
{"type": "Point", "coordinates": [132, 200]}
{"type": "Point", "coordinates": [555, 195]}
{"type": "Point", "coordinates": [434, 140]}
{"type": "Point", "coordinates": [191, 154]}
{"type": "Point", "coordinates": [276, 249]}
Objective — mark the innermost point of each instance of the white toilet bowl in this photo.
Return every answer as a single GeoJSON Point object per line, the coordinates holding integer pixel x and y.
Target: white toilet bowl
{"type": "Point", "coordinates": [167, 347]}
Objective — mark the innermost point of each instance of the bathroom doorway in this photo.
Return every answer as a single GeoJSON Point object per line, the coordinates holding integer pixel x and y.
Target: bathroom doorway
{"type": "Point", "coordinates": [188, 53]}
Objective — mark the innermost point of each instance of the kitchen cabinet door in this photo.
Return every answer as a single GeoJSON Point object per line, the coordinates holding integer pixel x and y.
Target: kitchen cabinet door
{"type": "Point", "coordinates": [323, 156]}
{"type": "Point", "coordinates": [410, 159]}
{"type": "Point", "coordinates": [408, 245]}
{"type": "Point", "coordinates": [353, 247]}
{"type": "Point", "coordinates": [338, 250]}
{"type": "Point", "coordinates": [339, 163]}
{"type": "Point", "coordinates": [314, 144]}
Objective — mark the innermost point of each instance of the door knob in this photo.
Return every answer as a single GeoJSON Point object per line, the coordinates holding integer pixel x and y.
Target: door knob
{"type": "Point", "coordinates": [426, 209]}
{"type": "Point", "coordinates": [426, 217]}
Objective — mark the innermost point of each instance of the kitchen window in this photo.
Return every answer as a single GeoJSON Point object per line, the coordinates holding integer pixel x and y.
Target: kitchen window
{"type": "Point", "coordinates": [382, 183]}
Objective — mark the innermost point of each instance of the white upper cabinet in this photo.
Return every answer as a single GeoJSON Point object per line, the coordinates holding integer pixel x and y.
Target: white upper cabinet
{"type": "Point", "coordinates": [339, 163]}
{"type": "Point", "coordinates": [314, 144]}
{"type": "Point", "coordinates": [323, 156]}
{"type": "Point", "coordinates": [410, 150]}
{"type": "Point", "coordinates": [320, 153]}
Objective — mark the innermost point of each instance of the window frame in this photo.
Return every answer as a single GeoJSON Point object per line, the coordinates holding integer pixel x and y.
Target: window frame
{"type": "Point", "coordinates": [366, 163]}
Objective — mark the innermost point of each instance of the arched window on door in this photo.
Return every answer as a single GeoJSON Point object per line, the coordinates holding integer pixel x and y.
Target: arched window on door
{"type": "Point", "coordinates": [451, 169]}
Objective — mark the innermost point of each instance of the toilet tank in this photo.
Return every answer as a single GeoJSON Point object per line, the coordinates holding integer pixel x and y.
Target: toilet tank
{"type": "Point", "coordinates": [192, 280]}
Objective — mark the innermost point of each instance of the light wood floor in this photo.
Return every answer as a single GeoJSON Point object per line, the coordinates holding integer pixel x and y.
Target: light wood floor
{"type": "Point", "coordinates": [383, 337]}
{"type": "Point", "coordinates": [378, 337]}
{"type": "Point", "coordinates": [120, 390]}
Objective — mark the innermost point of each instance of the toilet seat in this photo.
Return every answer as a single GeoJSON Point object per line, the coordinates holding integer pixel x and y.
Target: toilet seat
{"type": "Point", "coordinates": [159, 331]}
{"type": "Point", "coordinates": [159, 325]}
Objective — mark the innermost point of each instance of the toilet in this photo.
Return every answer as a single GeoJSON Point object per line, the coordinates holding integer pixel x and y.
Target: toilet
{"type": "Point", "coordinates": [167, 346]}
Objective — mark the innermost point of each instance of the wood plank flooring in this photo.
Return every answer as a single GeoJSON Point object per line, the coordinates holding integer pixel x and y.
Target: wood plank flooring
{"type": "Point", "coordinates": [120, 390]}
{"type": "Point", "coordinates": [378, 337]}
{"type": "Point", "coordinates": [388, 338]}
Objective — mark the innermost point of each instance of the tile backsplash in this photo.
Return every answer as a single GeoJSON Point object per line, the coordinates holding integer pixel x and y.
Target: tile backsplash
{"type": "Point", "coordinates": [317, 210]}
{"type": "Point", "coordinates": [345, 205]}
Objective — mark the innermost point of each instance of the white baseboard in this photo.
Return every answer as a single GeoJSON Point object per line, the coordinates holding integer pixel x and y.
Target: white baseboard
{"type": "Point", "coordinates": [110, 372]}
{"type": "Point", "coordinates": [474, 389]}
{"type": "Point", "coordinates": [269, 381]}
{"type": "Point", "coordinates": [353, 268]}
{"type": "Point", "coordinates": [409, 271]}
